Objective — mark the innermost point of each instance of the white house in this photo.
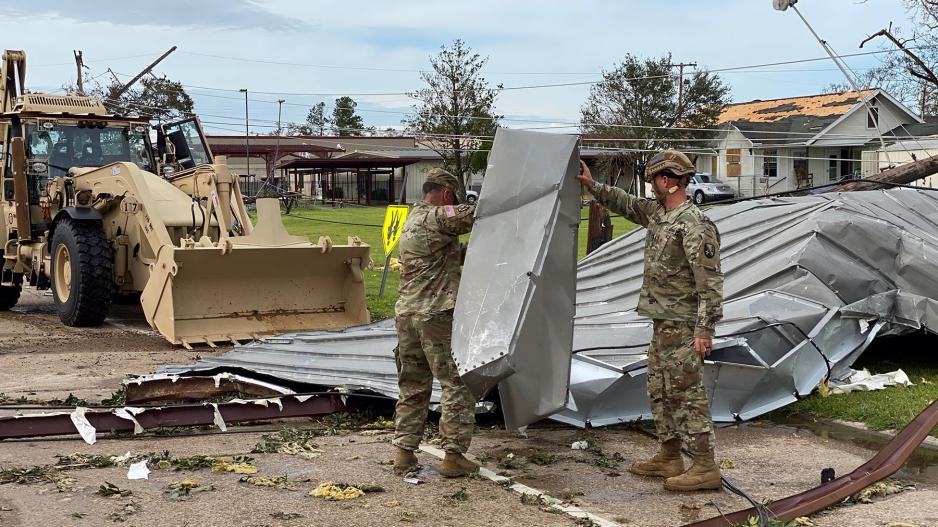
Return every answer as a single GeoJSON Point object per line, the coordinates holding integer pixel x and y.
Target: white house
{"type": "Point", "coordinates": [785, 144]}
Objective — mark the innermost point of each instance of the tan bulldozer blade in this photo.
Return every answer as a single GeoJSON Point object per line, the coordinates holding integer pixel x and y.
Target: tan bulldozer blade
{"type": "Point", "coordinates": [264, 283]}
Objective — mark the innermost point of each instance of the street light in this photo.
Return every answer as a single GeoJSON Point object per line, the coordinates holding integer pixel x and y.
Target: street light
{"type": "Point", "coordinates": [783, 5]}
{"type": "Point", "coordinates": [277, 150]}
{"type": "Point", "coordinates": [247, 132]}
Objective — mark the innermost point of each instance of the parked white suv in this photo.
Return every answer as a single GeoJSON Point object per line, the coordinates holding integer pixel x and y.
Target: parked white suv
{"type": "Point", "coordinates": [703, 188]}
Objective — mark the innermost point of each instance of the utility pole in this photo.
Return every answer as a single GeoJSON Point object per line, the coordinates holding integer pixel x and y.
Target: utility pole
{"type": "Point", "coordinates": [680, 79]}
{"type": "Point", "coordinates": [247, 132]}
{"type": "Point", "coordinates": [79, 65]}
{"type": "Point", "coordinates": [142, 73]}
{"type": "Point", "coordinates": [922, 100]}
{"type": "Point", "coordinates": [279, 133]}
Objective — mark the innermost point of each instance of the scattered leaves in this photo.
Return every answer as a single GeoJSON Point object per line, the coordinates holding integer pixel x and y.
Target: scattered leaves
{"type": "Point", "coordinates": [544, 459]}
{"type": "Point", "coordinates": [290, 441]}
{"type": "Point", "coordinates": [880, 490]}
{"type": "Point", "coordinates": [279, 482]}
{"type": "Point", "coordinates": [460, 495]}
{"type": "Point", "coordinates": [280, 515]}
{"type": "Point", "coordinates": [126, 512]}
{"type": "Point", "coordinates": [328, 491]}
{"type": "Point", "coordinates": [408, 517]}
{"type": "Point", "coordinates": [110, 489]}
{"type": "Point", "coordinates": [238, 467]}
{"type": "Point", "coordinates": [727, 464]}
{"type": "Point", "coordinates": [184, 489]}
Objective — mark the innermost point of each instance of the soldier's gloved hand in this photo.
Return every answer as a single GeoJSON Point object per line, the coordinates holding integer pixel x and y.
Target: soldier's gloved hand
{"type": "Point", "coordinates": [703, 346]}
{"type": "Point", "coordinates": [585, 177]}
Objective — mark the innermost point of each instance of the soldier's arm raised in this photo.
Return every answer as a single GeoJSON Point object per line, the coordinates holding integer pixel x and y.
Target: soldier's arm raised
{"type": "Point", "coordinates": [702, 247]}
{"type": "Point", "coordinates": [617, 200]}
{"type": "Point", "coordinates": [455, 219]}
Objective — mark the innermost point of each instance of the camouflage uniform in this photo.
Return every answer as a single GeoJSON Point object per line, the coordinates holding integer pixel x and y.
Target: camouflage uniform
{"type": "Point", "coordinates": [430, 257]}
{"type": "Point", "coordinates": [682, 291]}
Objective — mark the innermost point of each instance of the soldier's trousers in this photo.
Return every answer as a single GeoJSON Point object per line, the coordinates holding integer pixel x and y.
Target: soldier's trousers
{"type": "Point", "coordinates": [423, 352]}
{"type": "Point", "coordinates": [675, 386]}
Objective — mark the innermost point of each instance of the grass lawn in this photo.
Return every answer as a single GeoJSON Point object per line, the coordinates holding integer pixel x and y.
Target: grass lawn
{"type": "Point", "coordinates": [888, 409]}
{"type": "Point", "coordinates": [338, 224]}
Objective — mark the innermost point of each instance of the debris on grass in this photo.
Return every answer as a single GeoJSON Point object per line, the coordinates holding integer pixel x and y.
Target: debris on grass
{"type": "Point", "coordinates": [76, 460]}
{"type": "Point", "coordinates": [331, 492]}
{"type": "Point", "coordinates": [184, 489]}
{"type": "Point", "coordinates": [110, 489]}
{"type": "Point", "coordinates": [280, 515]}
{"type": "Point", "coordinates": [277, 482]}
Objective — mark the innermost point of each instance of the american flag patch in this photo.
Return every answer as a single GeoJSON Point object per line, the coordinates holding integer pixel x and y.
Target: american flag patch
{"type": "Point", "coordinates": [450, 211]}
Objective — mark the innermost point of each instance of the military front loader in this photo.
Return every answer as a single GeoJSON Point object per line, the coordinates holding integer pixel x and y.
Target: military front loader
{"type": "Point", "coordinates": [93, 211]}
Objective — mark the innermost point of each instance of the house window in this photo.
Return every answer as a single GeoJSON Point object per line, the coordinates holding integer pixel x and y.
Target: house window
{"type": "Point", "coordinates": [770, 163]}
{"type": "Point", "coordinates": [733, 167]}
{"type": "Point", "coordinates": [872, 117]}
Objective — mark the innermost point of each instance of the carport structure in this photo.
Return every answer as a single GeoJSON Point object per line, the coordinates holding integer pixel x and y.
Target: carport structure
{"type": "Point", "coordinates": [358, 177]}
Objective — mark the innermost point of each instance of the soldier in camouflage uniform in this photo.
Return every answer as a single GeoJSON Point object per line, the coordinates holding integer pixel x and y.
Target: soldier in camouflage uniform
{"type": "Point", "coordinates": [682, 292]}
{"type": "Point", "coordinates": [430, 257]}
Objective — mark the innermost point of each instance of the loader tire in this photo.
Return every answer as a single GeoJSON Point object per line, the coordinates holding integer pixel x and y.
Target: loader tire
{"type": "Point", "coordinates": [82, 272]}
{"type": "Point", "coordinates": [9, 296]}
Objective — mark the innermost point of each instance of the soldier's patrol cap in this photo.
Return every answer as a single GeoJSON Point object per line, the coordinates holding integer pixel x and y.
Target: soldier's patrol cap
{"type": "Point", "coordinates": [673, 162]}
{"type": "Point", "coordinates": [443, 178]}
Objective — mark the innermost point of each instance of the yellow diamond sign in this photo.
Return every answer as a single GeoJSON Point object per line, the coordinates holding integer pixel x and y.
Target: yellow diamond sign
{"type": "Point", "coordinates": [393, 225]}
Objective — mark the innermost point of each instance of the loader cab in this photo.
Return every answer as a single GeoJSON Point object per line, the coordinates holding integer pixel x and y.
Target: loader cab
{"type": "Point", "coordinates": [53, 147]}
{"type": "Point", "coordinates": [182, 143]}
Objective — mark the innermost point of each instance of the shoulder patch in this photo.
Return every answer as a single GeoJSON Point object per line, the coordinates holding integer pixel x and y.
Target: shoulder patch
{"type": "Point", "coordinates": [709, 250]}
{"type": "Point", "coordinates": [450, 211]}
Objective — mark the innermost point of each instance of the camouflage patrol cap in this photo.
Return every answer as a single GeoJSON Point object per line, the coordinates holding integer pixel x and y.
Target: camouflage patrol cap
{"type": "Point", "coordinates": [672, 161]}
{"type": "Point", "coordinates": [445, 179]}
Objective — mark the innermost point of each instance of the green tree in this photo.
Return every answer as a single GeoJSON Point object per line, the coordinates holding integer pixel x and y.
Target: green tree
{"type": "Point", "coordinates": [643, 102]}
{"type": "Point", "coordinates": [157, 96]}
{"type": "Point", "coordinates": [456, 109]}
{"type": "Point", "coordinates": [344, 119]}
{"type": "Point", "coordinates": [316, 122]}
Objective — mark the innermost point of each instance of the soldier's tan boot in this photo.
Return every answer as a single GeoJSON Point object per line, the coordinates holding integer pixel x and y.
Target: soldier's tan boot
{"type": "Point", "coordinates": [665, 464]}
{"type": "Point", "coordinates": [704, 474]}
{"type": "Point", "coordinates": [404, 461]}
{"type": "Point", "coordinates": [456, 465]}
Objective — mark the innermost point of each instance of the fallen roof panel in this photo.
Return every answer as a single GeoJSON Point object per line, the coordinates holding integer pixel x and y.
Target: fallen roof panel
{"type": "Point", "coordinates": [512, 326]}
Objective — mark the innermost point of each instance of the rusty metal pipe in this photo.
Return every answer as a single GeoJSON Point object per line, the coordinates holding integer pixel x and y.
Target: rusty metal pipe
{"type": "Point", "coordinates": [885, 463]}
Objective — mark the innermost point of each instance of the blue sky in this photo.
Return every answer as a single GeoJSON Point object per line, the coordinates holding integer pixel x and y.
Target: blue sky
{"type": "Point", "coordinates": [528, 42]}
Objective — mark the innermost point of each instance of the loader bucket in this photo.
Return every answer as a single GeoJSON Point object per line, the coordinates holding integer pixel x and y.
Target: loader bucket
{"type": "Point", "coordinates": [271, 283]}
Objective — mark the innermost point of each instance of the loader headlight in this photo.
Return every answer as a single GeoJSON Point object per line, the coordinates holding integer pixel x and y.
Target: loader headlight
{"type": "Point", "coordinates": [38, 167]}
{"type": "Point", "coordinates": [83, 198]}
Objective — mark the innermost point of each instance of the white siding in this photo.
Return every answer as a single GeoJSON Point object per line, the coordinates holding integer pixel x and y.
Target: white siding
{"type": "Point", "coordinates": [853, 131]}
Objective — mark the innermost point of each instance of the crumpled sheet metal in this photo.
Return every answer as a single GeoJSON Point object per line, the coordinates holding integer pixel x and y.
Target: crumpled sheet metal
{"type": "Point", "coordinates": [356, 358]}
{"type": "Point", "coordinates": [842, 268]}
{"type": "Point", "coordinates": [832, 271]}
{"type": "Point", "coordinates": [513, 319]}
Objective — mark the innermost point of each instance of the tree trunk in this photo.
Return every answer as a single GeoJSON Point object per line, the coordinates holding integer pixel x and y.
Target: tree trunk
{"type": "Point", "coordinates": [902, 174]}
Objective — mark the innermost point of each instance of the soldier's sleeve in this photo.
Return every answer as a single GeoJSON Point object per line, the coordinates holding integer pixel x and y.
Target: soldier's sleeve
{"type": "Point", "coordinates": [455, 219]}
{"type": "Point", "coordinates": [636, 209]}
{"type": "Point", "coordinates": [702, 247]}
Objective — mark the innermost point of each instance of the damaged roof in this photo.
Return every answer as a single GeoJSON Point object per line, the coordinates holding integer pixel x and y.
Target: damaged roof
{"type": "Point", "coordinates": [790, 119]}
